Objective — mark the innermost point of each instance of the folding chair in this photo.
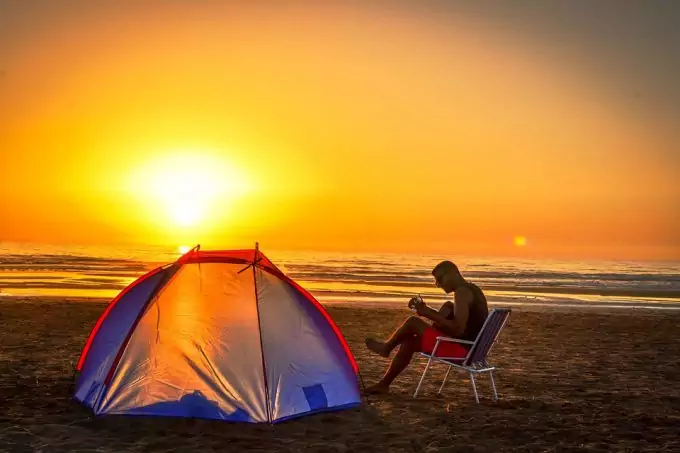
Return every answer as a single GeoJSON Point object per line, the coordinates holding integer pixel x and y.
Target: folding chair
{"type": "Point", "coordinates": [475, 362]}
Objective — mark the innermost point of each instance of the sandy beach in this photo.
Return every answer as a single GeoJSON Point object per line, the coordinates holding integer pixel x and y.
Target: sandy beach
{"type": "Point", "coordinates": [576, 380]}
{"type": "Point", "coordinates": [212, 164]}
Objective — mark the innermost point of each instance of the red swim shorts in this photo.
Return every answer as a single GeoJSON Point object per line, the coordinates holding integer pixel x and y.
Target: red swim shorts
{"type": "Point", "coordinates": [445, 349]}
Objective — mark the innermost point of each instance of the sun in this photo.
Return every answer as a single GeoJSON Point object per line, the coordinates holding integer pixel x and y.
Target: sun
{"type": "Point", "coordinates": [520, 241]}
{"type": "Point", "coordinates": [188, 190]}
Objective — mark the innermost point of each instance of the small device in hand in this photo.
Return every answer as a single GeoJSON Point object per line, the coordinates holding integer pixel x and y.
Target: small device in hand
{"type": "Point", "coordinates": [414, 302]}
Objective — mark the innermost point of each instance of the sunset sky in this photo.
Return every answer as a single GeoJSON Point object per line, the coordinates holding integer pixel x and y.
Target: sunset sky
{"type": "Point", "coordinates": [543, 129]}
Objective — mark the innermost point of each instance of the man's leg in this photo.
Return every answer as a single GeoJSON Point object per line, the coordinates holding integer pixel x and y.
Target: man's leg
{"type": "Point", "coordinates": [412, 326]}
{"type": "Point", "coordinates": [409, 347]}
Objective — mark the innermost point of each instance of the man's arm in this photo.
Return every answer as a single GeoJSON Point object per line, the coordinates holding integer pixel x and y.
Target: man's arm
{"type": "Point", "coordinates": [456, 326]}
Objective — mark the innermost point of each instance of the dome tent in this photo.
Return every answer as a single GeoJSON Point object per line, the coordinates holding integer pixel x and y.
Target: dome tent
{"type": "Point", "coordinates": [218, 334]}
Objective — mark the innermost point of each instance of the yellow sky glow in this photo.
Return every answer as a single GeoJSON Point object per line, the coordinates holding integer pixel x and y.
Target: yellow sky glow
{"type": "Point", "coordinates": [325, 128]}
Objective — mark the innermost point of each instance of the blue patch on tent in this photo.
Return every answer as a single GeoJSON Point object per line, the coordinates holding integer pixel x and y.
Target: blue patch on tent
{"type": "Point", "coordinates": [316, 397]}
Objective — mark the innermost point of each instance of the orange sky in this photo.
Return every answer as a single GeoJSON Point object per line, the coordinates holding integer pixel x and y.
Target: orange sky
{"type": "Point", "coordinates": [362, 128]}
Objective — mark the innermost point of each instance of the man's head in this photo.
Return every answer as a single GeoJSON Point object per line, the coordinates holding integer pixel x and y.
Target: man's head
{"type": "Point", "coordinates": [447, 276]}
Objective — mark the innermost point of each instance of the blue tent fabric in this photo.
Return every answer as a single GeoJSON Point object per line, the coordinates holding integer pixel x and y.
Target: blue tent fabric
{"type": "Point", "coordinates": [111, 334]}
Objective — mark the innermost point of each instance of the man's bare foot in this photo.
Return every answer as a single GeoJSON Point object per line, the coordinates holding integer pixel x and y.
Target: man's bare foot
{"type": "Point", "coordinates": [378, 347]}
{"type": "Point", "coordinates": [377, 389]}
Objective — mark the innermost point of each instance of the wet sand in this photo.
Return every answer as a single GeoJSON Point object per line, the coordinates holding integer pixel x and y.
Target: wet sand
{"type": "Point", "coordinates": [570, 381]}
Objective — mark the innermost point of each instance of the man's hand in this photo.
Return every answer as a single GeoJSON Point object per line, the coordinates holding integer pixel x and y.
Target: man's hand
{"type": "Point", "coordinates": [455, 326]}
{"type": "Point", "coordinates": [421, 307]}
{"type": "Point", "coordinates": [414, 302]}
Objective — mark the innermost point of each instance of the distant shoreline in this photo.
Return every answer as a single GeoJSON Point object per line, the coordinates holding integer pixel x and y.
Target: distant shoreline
{"type": "Point", "coordinates": [518, 290]}
{"type": "Point", "coordinates": [672, 295]}
{"type": "Point", "coordinates": [399, 306]}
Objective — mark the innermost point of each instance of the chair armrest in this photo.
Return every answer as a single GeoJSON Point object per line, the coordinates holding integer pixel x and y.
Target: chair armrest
{"type": "Point", "coordinates": [455, 340]}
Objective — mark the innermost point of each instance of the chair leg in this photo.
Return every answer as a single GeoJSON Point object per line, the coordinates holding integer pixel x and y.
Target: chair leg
{"type": "Point", "coordinates": [444, 381]}
{"type": "Point", "coordinates": [422, 377]}
{"type": "Point", "coordinates": [493, 386]}
{"type": "Point", "coordinates": [474, 387]}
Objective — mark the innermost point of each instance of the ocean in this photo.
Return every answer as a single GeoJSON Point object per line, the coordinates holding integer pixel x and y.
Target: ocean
{"type": "Point", "coordinates": [357, 278]}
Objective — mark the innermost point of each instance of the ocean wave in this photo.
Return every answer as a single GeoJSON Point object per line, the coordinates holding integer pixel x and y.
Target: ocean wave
{"type": "Point", "coordinates": [353, 277]}
{"type": "Point", "coordinates": [59, 263]}
{"type": "Point", "coordinates": [76, 284]}
{"type": "Point", "coordinates": [348, 272]}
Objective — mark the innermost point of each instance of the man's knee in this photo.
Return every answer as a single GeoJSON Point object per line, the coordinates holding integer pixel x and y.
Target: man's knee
{"type": "Point", "coordinates": [414, 321]}
{"type": "Point", "coordinates": [416, 325]}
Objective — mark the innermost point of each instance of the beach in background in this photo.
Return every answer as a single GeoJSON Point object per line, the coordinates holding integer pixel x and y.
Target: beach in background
{"type": "Point", "coordinates": [388, 280]}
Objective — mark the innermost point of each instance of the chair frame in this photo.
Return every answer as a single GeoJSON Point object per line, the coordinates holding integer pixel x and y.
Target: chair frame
{"type": "Point", "coordinates": [465, 363]}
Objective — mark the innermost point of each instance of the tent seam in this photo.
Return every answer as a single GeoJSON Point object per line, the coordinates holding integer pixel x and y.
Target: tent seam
{"type": "Point", "coordinates": [259, 331]}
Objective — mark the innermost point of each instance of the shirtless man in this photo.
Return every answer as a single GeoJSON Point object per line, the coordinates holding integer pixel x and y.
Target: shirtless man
{"type": "Point", "coordinates": [462, 319]}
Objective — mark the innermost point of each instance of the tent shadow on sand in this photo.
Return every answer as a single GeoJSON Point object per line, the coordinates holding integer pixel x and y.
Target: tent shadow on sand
{"type": "Point", "coordinates": [192, 405]}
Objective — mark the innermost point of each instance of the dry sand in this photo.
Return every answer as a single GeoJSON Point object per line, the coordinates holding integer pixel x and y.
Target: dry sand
{"type": "Point", "coordinates": [575, 381]}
